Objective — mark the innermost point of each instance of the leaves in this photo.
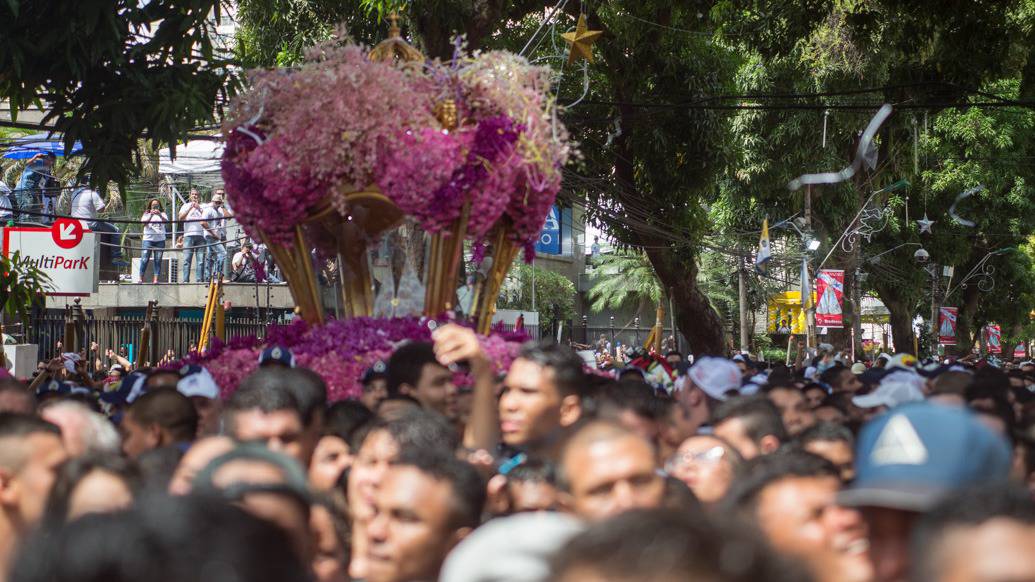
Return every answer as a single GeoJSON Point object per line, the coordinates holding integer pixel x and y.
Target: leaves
{"type": "Point", "coordinates": [22, 285]}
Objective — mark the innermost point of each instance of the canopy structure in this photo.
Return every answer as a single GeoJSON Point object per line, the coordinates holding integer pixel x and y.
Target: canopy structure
{"type": "Point", "coordinates": [195, 158]}
{"type": "Point", "coordinates": [24, 148]}
{"type": "Point", "coordinates": [785, 309]}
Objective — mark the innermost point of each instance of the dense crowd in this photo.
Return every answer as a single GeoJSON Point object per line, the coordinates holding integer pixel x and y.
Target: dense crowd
{"type": "Point", "coordinates": [737, 471]}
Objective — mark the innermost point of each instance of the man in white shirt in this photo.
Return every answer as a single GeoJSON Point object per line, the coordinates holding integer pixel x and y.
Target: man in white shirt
{"type": "Point", "coordinates": [86, 204]}
{"type": "Point", "coordinates": [214, 226]}
{"type": "Point", "coordinates": [193, 238]}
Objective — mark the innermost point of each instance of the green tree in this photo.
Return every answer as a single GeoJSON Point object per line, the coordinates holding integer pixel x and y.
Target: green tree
{"type": "Point", "coordinates": [21, 285]}
{"type": "Point", "coordinates": [623, 278]}
{"type": "Point", "coordinates": [554, 295]}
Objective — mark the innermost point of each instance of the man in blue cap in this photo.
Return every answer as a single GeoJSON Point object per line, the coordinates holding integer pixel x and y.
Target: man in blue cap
{"type": "Point", "coordinates": [375, 385]}
{"type": "Point", "coordinates": [908, 460]}
{"type": "Point", "coordinates": [276, 356]}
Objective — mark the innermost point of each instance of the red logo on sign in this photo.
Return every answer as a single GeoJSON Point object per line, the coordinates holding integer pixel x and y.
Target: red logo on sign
{"type": "Point", "coordinates": [67, 233]}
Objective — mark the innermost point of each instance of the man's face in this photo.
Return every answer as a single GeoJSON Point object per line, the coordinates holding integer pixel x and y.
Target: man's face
{"type": "Point", "coordinates": [612, 476]}
{"type": "Point", "coordinates": [208, 410]}
{"type": "Point", "coordinates": [530, 406]}
{"type": "Point", "coordinates": [194, 196]}
{"type": "Point", "coordinates": [374, 393]}
{"type": "Point", "coordinates": [830, 414]}
{"type": "Point", "coordinates": [280, 430]}
{"type": "Point", "coordinates": [435, 390]}
{"type": "Point", "coordinates": [410, 533]}
{"type": "Point", "coordinates": [137, 439]}
{"type": "Point", "coordinates": [998, 550]}
{"type": "Point", "coordinates": [800, 517]}
{"type": "Point", "coordinates": [890, 531]}
{"type": "Point", "coordinates": [531, 496]}
{"type": "Point", "coordinates": [796, 414]}
{"type": "Point", "coordinates": [847, 382]}
{"type": "Point", "coordinates": [734, 431]}
{"type": "Point", "coordinates": [371, 464]}
{"type": "Point", "coordinates": [673, 359]}
{"type": "Point", "coordinates": [837, 452]}
{"type": "Point", "coordinates": [29, 485]}
{"type": "Point", "coordinates": [330, 458]}
{"type": "Point", "coordinates": [814, 397]}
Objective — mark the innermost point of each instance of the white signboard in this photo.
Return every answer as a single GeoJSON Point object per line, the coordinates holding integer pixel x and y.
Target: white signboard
{"type": "Point", "coordinates": [65, 252]}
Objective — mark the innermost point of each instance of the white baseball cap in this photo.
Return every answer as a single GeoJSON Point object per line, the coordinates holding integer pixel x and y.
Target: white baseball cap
{"type": "Point", "coordinates": [715, 376]}
{"type": "Point", "coordinates": [197, 381]}
{"type": "Point", "coordinates": [895, 389]}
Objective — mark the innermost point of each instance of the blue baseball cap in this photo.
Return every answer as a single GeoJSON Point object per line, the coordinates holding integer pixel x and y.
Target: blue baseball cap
{"type": "Point", "coordinates": [277, 355]}
{"type": "Point", "coordinates": [378, 370]}
{"type": "Point", "coordinates": [911, 457]}
{"type": "Point", "coordinates": [131, 387]}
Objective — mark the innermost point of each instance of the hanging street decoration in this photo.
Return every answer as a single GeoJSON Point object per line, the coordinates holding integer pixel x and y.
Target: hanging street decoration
{"type": "Point", "coordinates": [764, 254]}
{"type": "Point", "coordinates": [925, 224]}
{"type": "Point", "coordinates": [994, 339]}
{"type": "Point", "coordinates": [830, 285]}
{"type": "Point", "coordinates": [581, 41]}
{"type": "Point", "coordinates": [952, 209]}
{"type": "Point", "coordinates": [863, 154]}
{"type": "Point", "coordinates": [947, 325]}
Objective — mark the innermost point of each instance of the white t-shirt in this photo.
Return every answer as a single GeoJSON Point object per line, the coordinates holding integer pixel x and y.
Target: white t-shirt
{"type": "Point", "coordinates": [86, 203]}
{"type": "Point", "coordinates": [193, 228]}
{"type": "Point", "coordinates": [154, 227]}
{"type": "Point", "coordinates": [216, 221]}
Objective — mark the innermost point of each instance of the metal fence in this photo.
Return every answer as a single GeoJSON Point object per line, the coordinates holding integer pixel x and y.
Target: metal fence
{"type": "Point", "coordinates": [178, 335]}
{"type": "Point", "coordinates": [635, 336]}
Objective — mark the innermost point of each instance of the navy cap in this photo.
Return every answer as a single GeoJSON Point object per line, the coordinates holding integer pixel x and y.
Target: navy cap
{"type": "Point", "coordinates": [195, 380]}
{"type": "Point", "coordinates": [873, 376]}
{"type": "Point", "coordinates": [129, 389]}
{"type": "Point", "coordinates": [54, 387]}
{"type": "Point", "coordinates": [378, 370]}
{"type": "Point", "coordinates": [277, 355]}
{"type": "Point", "coordinates": [914, 455]}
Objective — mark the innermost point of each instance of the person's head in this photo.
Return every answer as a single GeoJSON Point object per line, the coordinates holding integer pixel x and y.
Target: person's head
{"type": "Point", "coordinates": [909, 459]}
{"type": "Point", "coordinates": [833, 410]}
{"type": "Point", "coordinates": [984, 534]}
{"type": "Point", "coordinates": [332, 454]}
{"type": "Point", "coordinates": [840, 379]}
{"type": "Point", "coordinates": [331, 539]}
{"type": "Point", "coordinates": [158, 418]}
{"type": "Point", "coordinates": [631, 404]}
{"type": "Point", "coordinates": [194, 196]}
{"type": "Point", "coordinates": [92, 484]}
{"type": "Point", "coordinates": [197, 383]}
{"type": "Point", "coordinates": [532, 486]}
{"type": "Point", "coordinates": [950, 387]}
{"type": "Point", "coordinates": [265, 411]}
{"type": "Point", "coordinates": [426, 506]}
{"type": "Point", "coordinates": [197, 457]}
{"type": "Point", "coordinates": [217, 199]}
{"type": "Point", "coordinates": [375, 385]}
{"type": "Point", "coordinates": [82, 430]}
{"type": "Point", "coordinates": [414, 370]}
{"type": "Point", "coordinates": [268, 484]}
{"type": "Point", "coordinates": [814, 395]}
{"type": "Point", "coordinates": [795, 412]}
{"type": "Point", "coordinates": [707, 464]}
{"type": "Point", "coordinates": [606, 469]}
{"type": "Point", "coordinates": [833, 442]}
{"type": "Point", "coordinates": [30, 454]}
{"type": "Point", "coordinates": [165, 539]}
{"type": "Point", "coordinates": [154, 205]}
{"type": "Point", "coordinates": [661, 546]}
{"type": "Point", "coordinates": [752, 424]}
{"type": "Point", "coordinates": [673, 358]}
{"type": "Point", "coordinates": [380, 444]}
{"type": "Point", "coordinates": [162, 378]}
{"type": "Point", "coordinates": [791, 495]}
{"type": "Point", "coordinates": [541, 395]}
{"type": "Point", "coordinates": [16, 397]}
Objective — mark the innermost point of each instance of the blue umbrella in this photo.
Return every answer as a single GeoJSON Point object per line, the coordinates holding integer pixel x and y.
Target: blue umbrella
{"type": "Point", "coordinates": [24, 148]}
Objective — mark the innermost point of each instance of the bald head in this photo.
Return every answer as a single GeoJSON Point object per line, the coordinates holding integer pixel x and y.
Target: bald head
{"type": "Point", "coordinates": [607, 469]}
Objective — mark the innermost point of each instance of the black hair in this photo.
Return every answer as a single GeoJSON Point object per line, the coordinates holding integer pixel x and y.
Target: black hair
{"type": "Point", "coordinates": [969, 507]}
{"type": "Point", "coordinates": [814, 386]}
{"type": "Point", "coordinates": [831, 375]}
{"type": "Point", "coordinates": [157, 467]}
{"type": "Point", "coordinates": [74, 471]}
{"type": "Point", "coordinates": [568, 376]}
{"type": "Point", "coordinates": [13, 424]}
{"type": "Point", "coordinates": [468, 488]}
{"type": "Point", "coordinates": [632, 395]}
{"type": "Point", "coordinates": [255, 392]}
{"type": "Point", "coordinates": [343, 418]}
{"type": "Point", "coordinates": [826, 431]}
{"type": "Point", "coordinates": [166, 539]}
{"type": "Point", "coordinates": [305, 387]}
{"type": "Point", "coordinates": [168, 409]}
{"type": "Point", "coordinates": [660, 544]}
{"type": "Point", "coordinates": [761, 472]}
{"type": "Point", "coordinates": [533, 471]}
{"type": "Point", "coordinates": [415, 430]}
{"type": "Point", "coordinates": [834, 401]}
{"type": "Point", "coordinates": [673, 353]}
{"type": "Point", "coordinates": [759, 415]}
{"type": "Point", "coordinates": [407, 364]}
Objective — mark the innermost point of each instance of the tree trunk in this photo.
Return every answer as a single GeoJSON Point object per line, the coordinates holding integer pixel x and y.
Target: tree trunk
{"type": "Point", "coordinates": [698, 322]}
{"type": "Point", "coordinates": [965, 324]}
{"type": "Point", "coordinates": [901, 318]}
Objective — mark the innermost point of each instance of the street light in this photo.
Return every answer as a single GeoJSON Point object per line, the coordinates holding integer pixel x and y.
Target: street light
{"type": "Point", "coordinates": [812, 245]}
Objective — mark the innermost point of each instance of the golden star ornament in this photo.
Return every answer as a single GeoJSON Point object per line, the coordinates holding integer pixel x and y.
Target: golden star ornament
{"type": "Point", "coordinates": [581, 41]}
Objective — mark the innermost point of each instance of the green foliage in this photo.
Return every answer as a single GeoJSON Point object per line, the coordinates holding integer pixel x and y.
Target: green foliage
{"type": "Point", "coordinates": [21, 285]}
{"type": "Point", "coordinates": [623, 278]}
{"type": "Point", "coordinates": [112, 72]}
{"type": "Point", "coordinates": [554, 295]}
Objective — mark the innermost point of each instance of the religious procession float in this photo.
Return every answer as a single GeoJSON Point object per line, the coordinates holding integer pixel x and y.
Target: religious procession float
{"type": "Point", "coordinates": [443, 171]}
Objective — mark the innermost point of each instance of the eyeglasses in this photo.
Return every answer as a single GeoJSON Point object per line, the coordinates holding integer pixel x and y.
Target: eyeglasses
{"type": "Point", "coordinates": [711, 455]}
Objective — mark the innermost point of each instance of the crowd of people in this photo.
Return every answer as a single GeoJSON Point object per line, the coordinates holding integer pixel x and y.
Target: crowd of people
{"type": "Point", "coordinates": [445, 470]}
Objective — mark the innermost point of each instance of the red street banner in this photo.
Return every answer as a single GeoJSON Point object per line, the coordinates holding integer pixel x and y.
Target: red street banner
{"type": "Point", "coordinates": [1018, 352]}
{"type": "Point", "coordinates": [947, 325]}
{"type": "Point", "coordinates": [994, 339]}
{"type": "Point", "coordinates": [830, 288]}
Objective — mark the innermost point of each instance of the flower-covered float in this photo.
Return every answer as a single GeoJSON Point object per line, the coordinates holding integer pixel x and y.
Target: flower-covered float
{"type": "Point", "coordinates": [420, 180]}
